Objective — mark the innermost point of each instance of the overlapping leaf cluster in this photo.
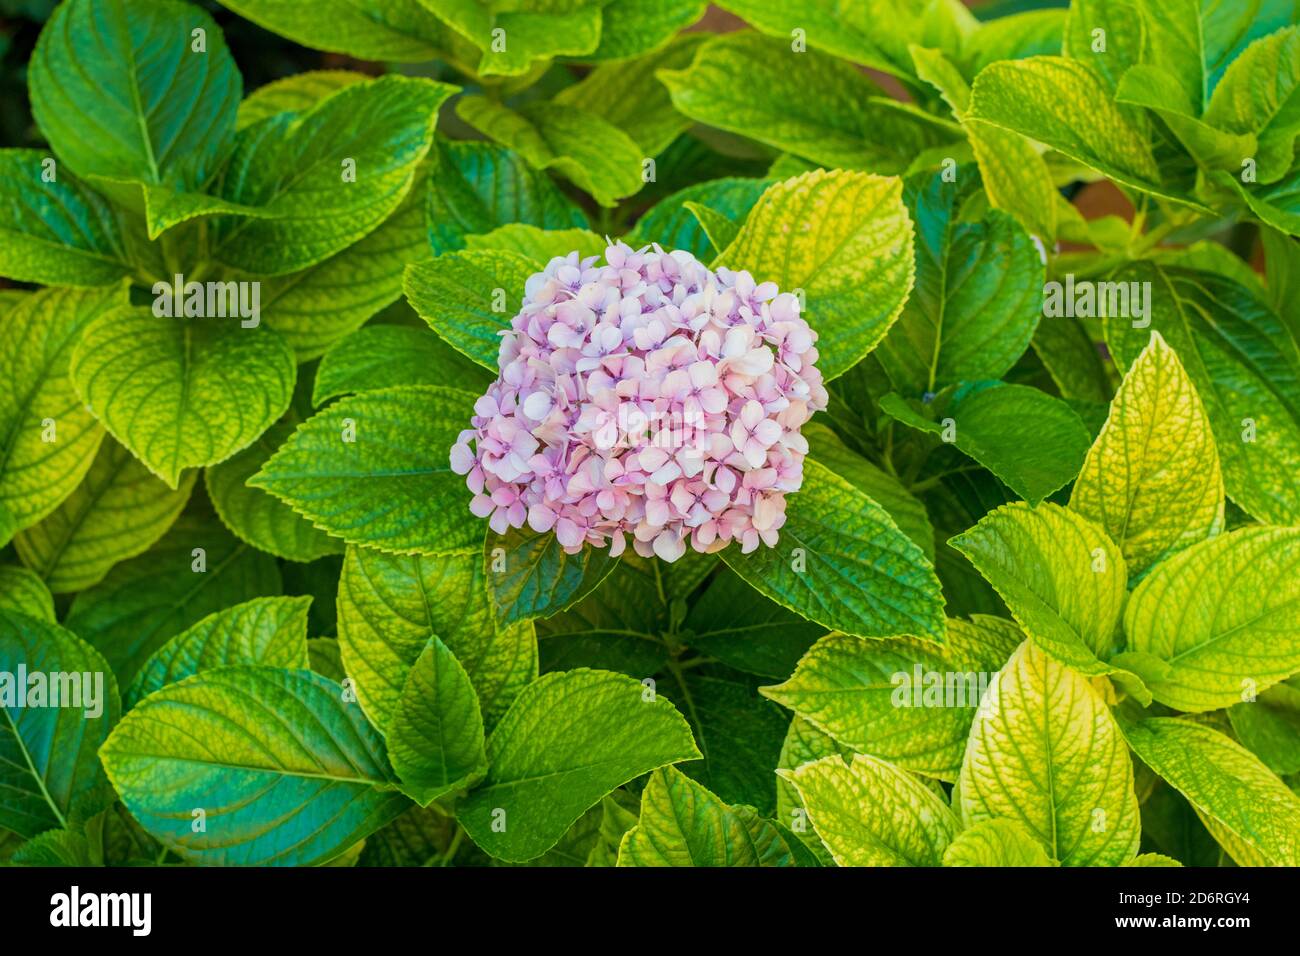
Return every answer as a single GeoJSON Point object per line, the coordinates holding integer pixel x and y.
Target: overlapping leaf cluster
{"type": "Point", "coordinates": [314, 654]}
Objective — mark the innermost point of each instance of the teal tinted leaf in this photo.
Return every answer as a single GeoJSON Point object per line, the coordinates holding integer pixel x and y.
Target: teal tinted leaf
{"type": "Point", "coordinates": [382, 356]}
{"type": "Point", "coordinates": [903, 700]}
{"type": "Point", "coordinates": [47, 753]}
{"type": "Point", "coordinates": [117, 512]}
{"type": "Point", "coordinates": [22, 590]}
{"type": "Point", "coordinates": [293, 94]}
{"type": "Point", "coordinates": [388, 608]}
{"type": "Point", "coordinates": [845, 238]}
{"type": "Point", "coordinates": [529, 574]}
{"type": "Point", "coordinates": [102, 68]}
{"type": "Point", "coordinates": [1032, 441]}
{"type": "Point", "coordinates": [435, 740]}
{"type": "Point", "coordinates": [1245, 367]}
{"type": "Point", "coordinates": [870, 813]}
{"type": "Point", "coordinates": [683, 824]}
{"type": "Point", "coordinates": [569, 739]}
{"type": "Point", "coordinates": [256, 516]}
{"type": "Point", "coordinates": [268, 630]}
{"type": "Point", "coordinates": [293, 168]}
{"type": "Point", "coordinates": [599, 157]}
{"type": "Point", "coordinates": [55, 233]}
{"type": "Point", "coordinates": [756, 86]}
{"type": "Point", "coordinates": [197, 568]}
{"type": "Point", "coordinates": [1223, 615]}
{"type": "Point", "coordinates": [1245, 806]}
{"type": "Point", "coordinates": [314, 308]}
{"type": "Point", "coordinates": [48, 439]}
{"type": "Point", "coordinates": [285, 772]}
{"type": "Point", "coordinates": [1151, 479]}
{"type": "Point", "coordinates": [466, 298]}
{"type": "Point", "coordinates": [744, 630]}
{"type": "Point", "coordinates": [1045, 751]}
{"type": "Point", "coordinates": [842, 562]}
{"type": "Point", "coordinates": [1062, 578]}
{"type": "Point", "coordinates": [480, 186]}
{"type": "Point", "coordinates": [996, 842]}
{"type": "Point", "coordinates": [373, 469]}
{"type": "Point", "coordinates": [977, 297]}
{"type": "Point", "coordinates": [401, 30]}
{"type": "Point", "coordinates": [675, 226]}
{"type": "Point", "coordinates": [181, 393]}
{"type": "Point", "coordinates": [627, 95]}
{"type": "Point", "coordinates": [1269, 727]}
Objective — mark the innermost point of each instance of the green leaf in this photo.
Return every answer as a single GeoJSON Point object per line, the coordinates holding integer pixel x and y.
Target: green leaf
{"type": "Point", "coordinates": [195, 569]}
{"type": "Point", "coordinates": [98, 77]}
{"type": "Point", "coordinates": [1014, 37]}
{"type": "Point", "coordinates": [285, 772]}
{"type": "Point", "coordinates": [23, 591]}
{"type": "Point", "coordinates": [47, 438]}
{"type": "Point", "coordinates": [435, 739]}
{"type": "Point", "coordinates": [382, 356]}
{"type": "Point", "coordinates": [870, 813]}
{"type": "Point", "coordinates": [842, 562]}
{"type": "Point", "coordinates": [1064, 104]}
{"type": "Point", "coordinates": [1245, 367]}
{"type": "Point", "coordinates": [1151, 480]}
{"type": "Point", "coordinates": [1031, 440]}
{"type": "Point", "coordinates": [465, 296]}
{"type": "Point", "coordinates": [977, 297]}
{"type": "Point", "coordinates": [258, 517]}
{"type": "Point", "coordinates": [373, 469]}
{"type": "Point", "coordinates": [400, 30]}
{"type": "Point", "coordinates": [1248, 809]}
{"type": "Point", "coordinates": [481, 186]}
{"type": "Point", "coordinates": [1045, 751]}
{"type": "Point", "coordinates": [675, 222]}
{"type": "Point", "coordinates": [569, 739]}
{"type": "Point", "coordinates": [903, 700]}
{"type": "Point", "coordinates": [293, 94]}
{"type": "Point", "coordinates": [996, 842]}
{"type": "Point", "coordinates": [1260, 94]}
{"type": "Point", "coordinates": [599, 157]}
{"type": "Point", "coordinates": [627, 95]}
{"type": "Point", "coordinates": [315, 308]}
{"type": "Point", "coordinates": [388, 608]}
{"type": "Point", "coordinates": [1070, 356]}
{"type": "Point", "coordinates": [744, 630]}
{"type": "Point", "coordinates": [720, 230]}
{"type": "Point", "coordinates": [531, 32]}
{"type": "Point", "coordinates": [629, 28]}
{"type": "Point", "coordinates": [845, 238]}
{"type": "Point", "coordinates": [1223, 615]}
{"type": "Point", "coordinates": [539, 245]}
{"type": "Point", "coordinates": [293, 169]}
{"type": "Point", "coordinates": [270, 630]}
{"type": "Point", "coordinates": [1118, 45]}
{"type": "Point", "coordinates": [1269, 727]}
{"type": "Point", "coordinates": [683, 824]}
{"type": "Point", "coordinates": [47, 752]}
{"type": "Point", "coordinates": [758, 87]}
{"type": "Point", "coordinates": [1063, 580]}
{"type": "Point", "coordinates": [181, 393]}
{"type": "Point", "coordinates": [529, 574]}
{"type": "Point", "coordinates": [117, 512]}
{"type": "Point", "coordinates": [1157, 90]}
{"type": "Point", "coordinates": [55, 233]}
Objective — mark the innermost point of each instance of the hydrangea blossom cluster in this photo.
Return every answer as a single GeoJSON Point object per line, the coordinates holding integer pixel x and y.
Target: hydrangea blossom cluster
{"type": "Point", "coordinates": [647, 396]}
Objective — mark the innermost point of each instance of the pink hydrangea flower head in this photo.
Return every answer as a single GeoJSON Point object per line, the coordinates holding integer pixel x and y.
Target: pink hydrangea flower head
{"type": "Point", "coordinates": [646, 397]}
